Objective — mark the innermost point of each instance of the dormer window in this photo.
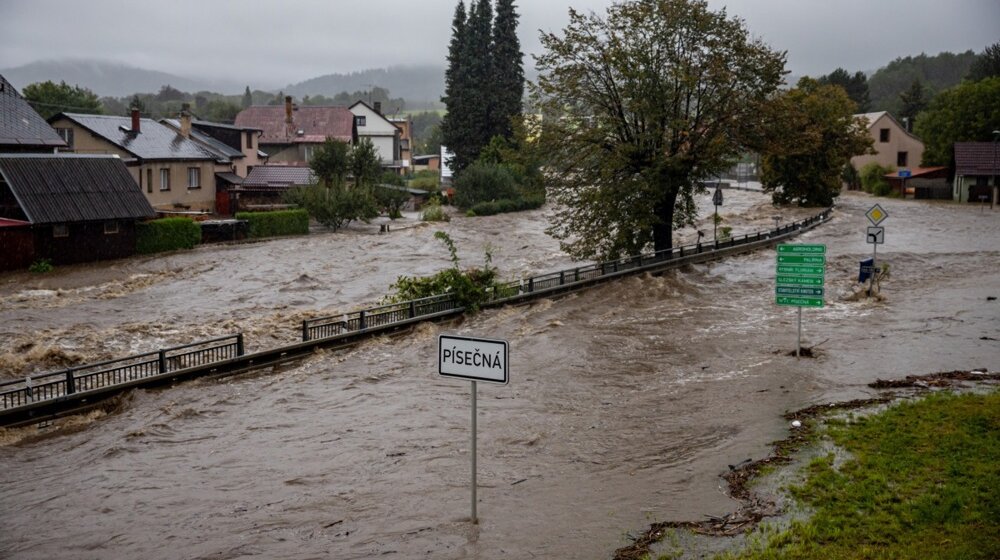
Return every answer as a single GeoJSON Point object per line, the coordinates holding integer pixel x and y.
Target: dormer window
{"type": "Point", "coordinates": [359, 120]}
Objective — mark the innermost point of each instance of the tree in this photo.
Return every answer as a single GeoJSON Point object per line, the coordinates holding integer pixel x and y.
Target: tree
{"type": "Point", "coordinates": [365, 165]}
{"type": "Point", "coordinates": [331, 163]}
{"type": "Point", "coordinates": [508, 75]}
{"type": "Point", "coordinates": [168, 93]}
{"type": "Point", "coordinates": [638, 107]}
{"type": "Point", "coordinates": [913, 101]}
{"type": "Point", "coordinates": [968, 112]}
{"type": "Point", "coordinates": [49, 98]}
{"type": "Point", "coordinates": [987, 64]}
{"type": "Point", "coordinates": [456, 122]}
{"type": "Point", "coordinates": [220, 110]}
{"type": "Point", "coordinates": [936, 73]}
{"type": "Point", "coordinates": [814, 136]}
{"type": "Point", "coordinates": [247, 98]}
{"type": "Point", "coordinates": [855, 85]}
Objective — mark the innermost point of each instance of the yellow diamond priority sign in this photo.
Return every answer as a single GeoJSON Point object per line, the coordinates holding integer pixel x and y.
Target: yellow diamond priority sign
{"type": "Point", "coordinates": [876, 214]}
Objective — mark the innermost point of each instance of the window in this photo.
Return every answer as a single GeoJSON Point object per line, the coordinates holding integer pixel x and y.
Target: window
{"type": "Point", "coordinates": [901, 158]}
{"type": "Point", "coordinates": [307, 152]}
{"type": "Point", "coordinates": [194, 177]}
{"type": "Point", "coordinates": [404, 144]}
{"type": "Point", "coordinates": [359, 120]}
{"type": "Point", "coordinates": [149, 181]}
{"type": "Point", "coordinates": [67, 135]}
{"type": "Point", "coordinates": [110, 228]}
{"type": "Point", "coordinates": [164, 179]}
{"type": "Point", "coordinates": [60, 230]}
{"type": "Point", "coordinates": [883, 135]}
{"type": "Point", "coordinates": [249, 135]}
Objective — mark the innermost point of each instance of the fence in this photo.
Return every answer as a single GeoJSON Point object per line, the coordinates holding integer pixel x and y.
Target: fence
{"type": "Point", "coordinates": [120, 371]}
{"type": "Point", "coordinates": [133, 369]}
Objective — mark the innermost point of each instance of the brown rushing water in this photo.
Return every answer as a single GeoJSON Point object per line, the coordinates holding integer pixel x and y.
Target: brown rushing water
{"type": "Point", "coordinates": [625, 404]}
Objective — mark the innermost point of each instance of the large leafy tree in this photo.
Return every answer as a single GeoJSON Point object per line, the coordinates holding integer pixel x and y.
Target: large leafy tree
{"type": "Point", "coordinates": [856, 86]}
{"type": "Point", "coordinates": [639, 106]}
{"type": "Point", "coordinates": [812, 136]}
{"type": "Point", "coordinates": [987, 64]}
{"type": "Point", "coordinates": [967, 112]}
{"type": "Point", "coordinates": [50, 98]}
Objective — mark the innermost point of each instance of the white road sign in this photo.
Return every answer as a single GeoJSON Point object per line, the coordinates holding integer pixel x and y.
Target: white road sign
{"type": "Point", "coordinates": [473, 359]}
{"type": "Point", "coordinates": [876, 235]}
{"type": "Point", "coordinates": [876, 214]}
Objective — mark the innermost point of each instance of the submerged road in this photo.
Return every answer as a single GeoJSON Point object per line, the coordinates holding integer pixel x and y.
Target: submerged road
{"type": "Point", "coordinates": [625, 404]}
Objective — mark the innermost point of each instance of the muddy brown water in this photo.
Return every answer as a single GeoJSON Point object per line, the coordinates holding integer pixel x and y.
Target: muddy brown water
{"type": "Point", "coordinates": [626, 402]}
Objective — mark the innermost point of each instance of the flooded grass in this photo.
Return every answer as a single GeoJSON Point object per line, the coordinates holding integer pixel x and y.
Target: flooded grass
{"type": "Point", "coordinates": [921, 483]}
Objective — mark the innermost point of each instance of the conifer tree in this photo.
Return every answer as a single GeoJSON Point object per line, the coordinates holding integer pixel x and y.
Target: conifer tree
{"type": "Point", "coordinates": [455, 124]}
{"type": "Point", "coordinates": [247, 98]}
{"type": "Point", "coordinates": [508, 73]}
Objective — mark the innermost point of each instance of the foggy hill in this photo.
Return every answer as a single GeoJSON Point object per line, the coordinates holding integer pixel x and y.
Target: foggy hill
{"type": "Point", "coordinates": [420, 85]}
{"type": "Point", "coordinates": [110, 78]}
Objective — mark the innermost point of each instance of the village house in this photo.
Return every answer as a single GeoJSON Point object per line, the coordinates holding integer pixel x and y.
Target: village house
{"type": "Point", "coordinates": [175, 173]}
{"type": "Point", "coordinates": [382, 132]}
{"type": "Point", "coordinates": [237, 145]}
{"type": "Point", "coordinates": [67, 208]}
{"type": "Point", "coordinates": [265, 186]}
{"type": "Point", "coordinates": [894, 146]}
{"type": "Point", "coordinates": [290, 134]}
{"type": "Point", "coordinates": [405, 125]}
{"type": "Point", "coordinates": [22, 129]}
{"type": "Point", "coordinates": [977, 165]}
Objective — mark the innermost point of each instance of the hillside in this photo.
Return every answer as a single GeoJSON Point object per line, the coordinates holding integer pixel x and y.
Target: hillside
{"type": "Point", "coordinates": [109, 78]}
{"type": "Point", "coordinates": [421, 86]}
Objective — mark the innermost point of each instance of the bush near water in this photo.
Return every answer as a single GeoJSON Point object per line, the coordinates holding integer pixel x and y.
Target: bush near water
{"type": "Point", "coordinates": [278, 222]}
{"type": "Point", "coordinates": [167, 234]}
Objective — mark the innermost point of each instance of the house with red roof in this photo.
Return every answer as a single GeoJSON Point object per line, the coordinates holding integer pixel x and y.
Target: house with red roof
{"type": "Point", "coordinates": [290, 134]}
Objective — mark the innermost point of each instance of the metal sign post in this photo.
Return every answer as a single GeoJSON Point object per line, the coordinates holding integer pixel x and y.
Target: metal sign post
{"type": "Point", "coordinates": [717, 201]}
{"type": "Point", "coordinates": [876, 215]}
{"type": "Point", "coordinates": [799, 275]}
{"type": "Point", "coordinates": [473, 359]}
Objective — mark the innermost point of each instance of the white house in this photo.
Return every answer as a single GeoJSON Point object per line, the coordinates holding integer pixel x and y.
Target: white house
{"type": "Point", "coordinates": [381, 131]}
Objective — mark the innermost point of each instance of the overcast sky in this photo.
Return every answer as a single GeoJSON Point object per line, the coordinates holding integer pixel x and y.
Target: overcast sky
{"type": "Point", "coordinates": [285, 41]}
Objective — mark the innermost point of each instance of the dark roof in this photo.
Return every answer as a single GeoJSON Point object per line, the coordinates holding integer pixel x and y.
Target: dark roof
{"type": "Point", "coordinates": [231, 178]}
{"type": "Point", "coordinates": [415, 192]}
{"type": "Point", "coordinates": [316, 123]}
{"type": "Point", "coordinates": [210, 124]}
{"type": "Point", "coordinates": [426, 158]}
{"type": "Point", "coordinates": [223, 152]}
{"type": "Point", "coordinates": [976, 158]}
{"type": "Point", "coordinates": [918, 172]}
{"type": "Point", "coordinates": [20, 125]}
{"type": "Point", "coordinates": [58, 188]}
{"type": "Point", "coordinates": [279, 176]}
{"type": "Point", "coordinates": [154, 141]}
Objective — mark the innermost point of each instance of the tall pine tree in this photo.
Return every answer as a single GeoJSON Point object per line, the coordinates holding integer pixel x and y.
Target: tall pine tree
{"type": "Point", "coordinates": [508, 73]}
{"type": "Point", "coordinates": [484, 82]}
{"type": "Point", "coordinates": [455, 124]}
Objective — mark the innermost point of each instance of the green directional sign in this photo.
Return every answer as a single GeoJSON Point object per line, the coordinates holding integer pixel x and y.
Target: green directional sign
{"type": "Point", "coordinates": [801, 269]}
{"type": "Point", "coordinates": [799, 280]}
{"type": "Point", "coordinates": [798, 291]}
{"type": "Point", "coordinates": [802, 249]}
{"type": "Point", "coordinates": [799, 301]}
{"type": "Point", "coordinates": [801, 259]}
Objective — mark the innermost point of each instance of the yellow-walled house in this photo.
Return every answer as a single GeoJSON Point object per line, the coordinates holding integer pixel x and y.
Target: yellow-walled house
{"type": "Point", "coordinates": [175, 173]}
{"type": "Point", "coordinates": [895, 148]}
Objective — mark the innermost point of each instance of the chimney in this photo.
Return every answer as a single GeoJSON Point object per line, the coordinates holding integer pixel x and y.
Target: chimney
{"type": "Point", "coordinates": [135, 120]}
{"type": "Point", "coordinates": [186, 120]}
{"type": "Point", "coordinates": [288, 109]}
{"type": "Point", "coordinates": [378, 107]}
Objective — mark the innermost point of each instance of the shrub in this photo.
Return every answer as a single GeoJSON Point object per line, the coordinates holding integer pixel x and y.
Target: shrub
{"type": "Point", "coordinates": [41, 266]}
{"type": "Point", "coordinates": [484, 182]}
{"type": "Point", "coordinates": [167, 234]}
{"type": "Point", "coordinates": [279, 222]}
{"type": "Point", "coordinates": [471, 287]}
{"type": "Point", "coordinates": [391, 200]}
{"type": "Point", "coordinates": [335, 207]}
{"type": "Point", "coordinates": [873, 180]}
{"type": "Point", "coordinates": [434, 213]}
{"type": "Point", "coordinates": [529, 202]}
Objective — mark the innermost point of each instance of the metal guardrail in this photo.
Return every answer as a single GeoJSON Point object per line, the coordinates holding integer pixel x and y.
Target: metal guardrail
{"type": "Point", "coordinates": [100, 375]}
{"type": "Point", "coordinates": [72, 386]}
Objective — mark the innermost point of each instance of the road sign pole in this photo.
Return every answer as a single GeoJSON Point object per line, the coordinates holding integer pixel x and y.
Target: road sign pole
{"type": "Point", "coordinates": [715, 224]}
{"type": "Point", "coordinates": [798, 344]}
{"type": "Point", "coordinates": [871, 280]}
{"type": "Point", "coordinates": [475, 518]}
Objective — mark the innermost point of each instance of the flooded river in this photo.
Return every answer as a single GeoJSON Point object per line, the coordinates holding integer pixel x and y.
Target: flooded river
{"type": "Point", "coordinates": [625, 404]}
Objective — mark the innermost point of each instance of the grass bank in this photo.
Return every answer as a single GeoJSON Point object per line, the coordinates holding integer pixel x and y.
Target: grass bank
{"type": "Point", "coordinates": [920, 480]}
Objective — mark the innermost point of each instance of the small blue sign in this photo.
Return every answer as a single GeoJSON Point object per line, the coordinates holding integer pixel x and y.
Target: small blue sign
{"type": "Point", "coordinates": [904, 173]}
